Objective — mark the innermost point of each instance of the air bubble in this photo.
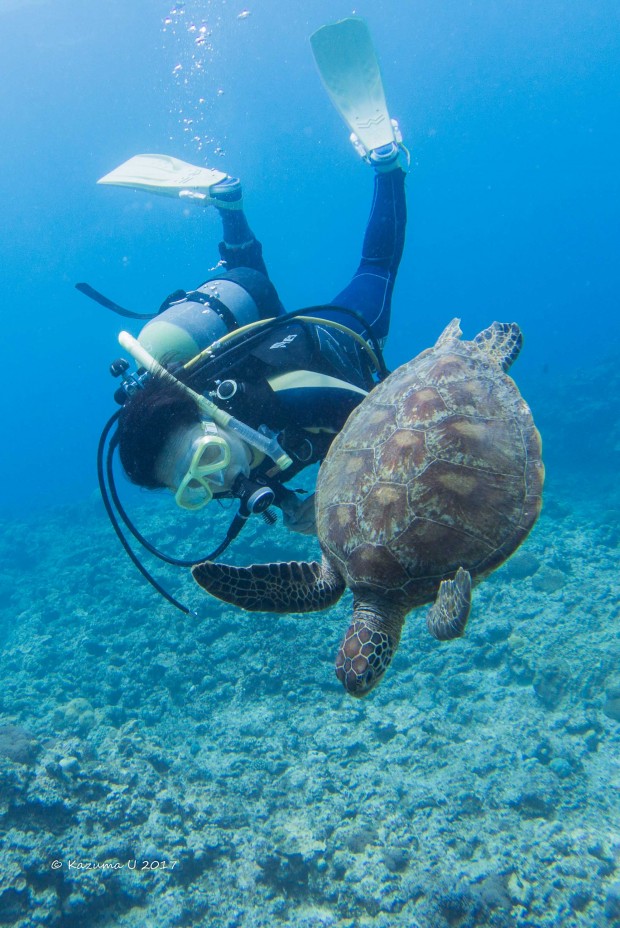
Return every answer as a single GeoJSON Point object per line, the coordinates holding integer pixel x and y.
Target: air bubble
{"type": "Point", "coordinates": [188, 34]}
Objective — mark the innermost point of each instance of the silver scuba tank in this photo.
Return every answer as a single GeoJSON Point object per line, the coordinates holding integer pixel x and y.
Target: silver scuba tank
{"type": "Point", "coordinates": [197, 319]}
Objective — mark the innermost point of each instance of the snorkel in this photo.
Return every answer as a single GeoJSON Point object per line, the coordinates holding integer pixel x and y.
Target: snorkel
{"type": "Point", "coordinates": [265, 444]}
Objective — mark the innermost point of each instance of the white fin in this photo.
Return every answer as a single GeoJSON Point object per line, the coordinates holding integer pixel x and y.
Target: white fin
{"type": "Point", "coordinates": [349, 69]}
{"type": "Point", "coordinates": [164, 175]}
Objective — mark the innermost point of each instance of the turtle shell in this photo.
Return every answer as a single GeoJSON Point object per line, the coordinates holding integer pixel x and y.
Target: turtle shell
{"type": "Point", "coordinates": [438, 468]}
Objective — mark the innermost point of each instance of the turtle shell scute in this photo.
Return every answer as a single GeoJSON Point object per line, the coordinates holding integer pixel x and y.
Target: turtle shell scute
{"type": "Point", "coordinates": [403, 455]}
{"type": "Point", "coordinates": [470, 397]}
{"type": "Point", "coordinates": [369, 561]}
{"type": "Point", "coordinates": [351, 480]}
{"type": "Point", "coordinates": [368, 430]}
{"type": "Point", "coordinates": [423, 405]}
{"type": "Point", "coordinates": [380, 512]}
{"type": "Point", "coordinates": [474, 442]}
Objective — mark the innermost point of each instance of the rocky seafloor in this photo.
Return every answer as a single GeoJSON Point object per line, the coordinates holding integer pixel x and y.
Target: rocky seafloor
{"type": "Point", "coordinates": [159, 769]}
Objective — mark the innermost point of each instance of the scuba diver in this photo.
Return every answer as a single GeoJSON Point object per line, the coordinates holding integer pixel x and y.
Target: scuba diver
{"type": "Point", "coordinates": [233, 396]}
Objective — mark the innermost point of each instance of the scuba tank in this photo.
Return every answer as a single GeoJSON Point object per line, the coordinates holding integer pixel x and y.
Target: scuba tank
{"type": "Point", "coordinates": [229, 301]}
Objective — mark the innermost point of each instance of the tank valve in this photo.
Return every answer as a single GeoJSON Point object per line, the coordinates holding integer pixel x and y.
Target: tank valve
{"type": "Point", "coordinates": [119, 367]}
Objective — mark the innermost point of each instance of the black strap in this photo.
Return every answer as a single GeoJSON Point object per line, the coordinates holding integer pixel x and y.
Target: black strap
{"type": "Point", "coordinates": [197, 296]}
{"type": "Point", "coordinates": [93, 294]}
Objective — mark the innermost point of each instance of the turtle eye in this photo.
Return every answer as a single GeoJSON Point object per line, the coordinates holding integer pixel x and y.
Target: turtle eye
{"type": "Point", "coordinates": [368, 678]}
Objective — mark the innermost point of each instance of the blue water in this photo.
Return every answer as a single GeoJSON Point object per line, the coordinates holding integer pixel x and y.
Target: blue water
{"type": "Point", "coordinates": [511, 112]}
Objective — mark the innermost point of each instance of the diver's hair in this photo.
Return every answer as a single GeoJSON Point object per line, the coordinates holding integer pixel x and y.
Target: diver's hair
{"type": "Point", "coordinates": [146, 422]}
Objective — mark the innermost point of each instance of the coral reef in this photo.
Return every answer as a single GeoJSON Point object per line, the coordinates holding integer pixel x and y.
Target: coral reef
{"type": "Point", "coordinates": [181, 770]}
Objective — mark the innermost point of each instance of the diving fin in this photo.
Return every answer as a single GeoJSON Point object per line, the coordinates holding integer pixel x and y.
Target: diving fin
{"type": "Point", "coordinates": [349, 69]}
{"type": "Point", "coordinates": [164, 175]}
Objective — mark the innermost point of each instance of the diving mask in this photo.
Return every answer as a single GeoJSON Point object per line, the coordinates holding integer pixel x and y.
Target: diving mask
{"type": "Point", "coordinates": [204, 475]}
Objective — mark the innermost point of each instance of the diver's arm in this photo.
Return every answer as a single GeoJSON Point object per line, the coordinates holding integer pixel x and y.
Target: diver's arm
{"type": "Point", "coordinates": [299, 513]}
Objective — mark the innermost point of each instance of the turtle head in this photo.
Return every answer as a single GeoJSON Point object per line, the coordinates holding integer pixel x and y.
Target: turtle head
{"type": "Point", "coordinates": [363, 657]}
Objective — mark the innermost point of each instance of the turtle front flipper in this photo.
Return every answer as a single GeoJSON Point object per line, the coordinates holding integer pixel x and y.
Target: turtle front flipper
{"type": "Point", "coordinates": [296, 586]}
{"type": "Point", "coordinates": [448, 615]}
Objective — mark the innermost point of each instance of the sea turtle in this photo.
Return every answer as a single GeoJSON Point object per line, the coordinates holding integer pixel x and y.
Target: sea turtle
{"type": "Point", "coordinates": [435, 479]}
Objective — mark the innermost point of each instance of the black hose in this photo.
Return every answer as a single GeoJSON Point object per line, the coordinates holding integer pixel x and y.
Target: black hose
{"type": "Point", "coordinates": [114, 521]}
{"type": "Point", "coordinates": [111, 501]}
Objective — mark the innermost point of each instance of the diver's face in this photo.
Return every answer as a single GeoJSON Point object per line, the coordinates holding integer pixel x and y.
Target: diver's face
{"type": "Point", "coordinates": [201, 461]}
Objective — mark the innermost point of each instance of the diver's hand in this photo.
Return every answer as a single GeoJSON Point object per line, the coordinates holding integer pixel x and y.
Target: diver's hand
{"type": "Point", "coordinates": [299, 514]}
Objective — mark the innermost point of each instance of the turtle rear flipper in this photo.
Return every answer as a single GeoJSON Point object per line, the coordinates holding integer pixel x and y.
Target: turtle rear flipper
{"type": "Point", "coordinates": [296, 586]}
{"type": "Point", "coordinates": [502, 342]}
{"type": "Point", "coordinates": [448, 615]}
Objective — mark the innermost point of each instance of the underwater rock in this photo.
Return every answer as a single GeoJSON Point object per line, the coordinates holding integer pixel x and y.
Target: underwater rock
{"type": "Point", "coordinates": [551, 682]}
{"type": "Point", "coordinates": [94, 646]}
{"type": "Point", "coordinates": [555, 509]}
{"type": "Point", "coordinates": [487, 903]}
{"type": "Point", "coordinates": [396, 859]}
{"type": "Point", "coordinates": [14, 904]}
{"type": "Point", "coordinates": [580, 900]}
{"type": "Point", "coordinates": [385, 733]}
{"type": "Point", "coordinates": [611, 707]}
{"type": "Point", "coordinates": [494, 632]}
{"type": "Point", "coordinates": [519, 890]}
{"type": "Point", "coordinates": [493, 890]}
{"type": "Point", "coordinates": [518, 671]}
{"type": "Point", "coordinates": [357, 839]}
{"type": "Point", "coordinates": [612, 902]}
{"type": "Point", "coordinates": [609, 534]}
{"type": "Point", "coordinates": [560, 767]}
{"type": "Point", "coordinates": [549, 580]}
{"type": "Point", "coordinates": [580, 723]}
{"type": "Point", "coordinates": [521, 565]}
{"type": "Point", "coordinates": [76, 714]}
{"type": "Point", "coordinates": [534, 792]}
{"type": "Point", "coordinates": [69, 765]}
{"type": "Point", "coordinates": [17, 744]}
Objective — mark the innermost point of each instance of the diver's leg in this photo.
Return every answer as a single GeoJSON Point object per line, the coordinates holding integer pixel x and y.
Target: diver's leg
{"type": "Point", "coordinates": [240, 247]}
{"type": "Point", "coordinates": [370, 291]}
